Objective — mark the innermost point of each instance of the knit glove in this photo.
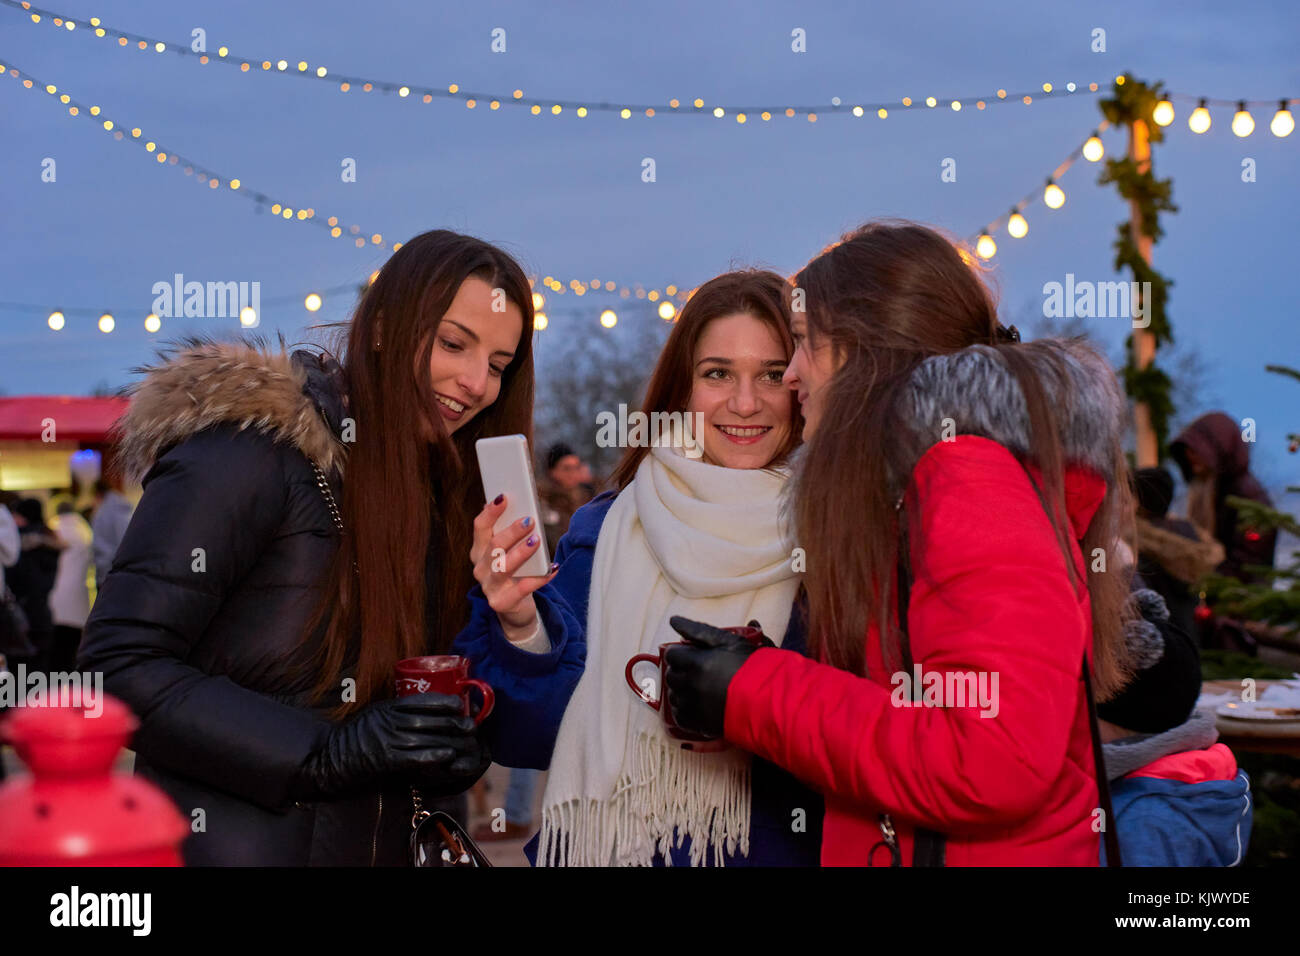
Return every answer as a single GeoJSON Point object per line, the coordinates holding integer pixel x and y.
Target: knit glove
{"type": "Point", "coordinates": [698, 674]}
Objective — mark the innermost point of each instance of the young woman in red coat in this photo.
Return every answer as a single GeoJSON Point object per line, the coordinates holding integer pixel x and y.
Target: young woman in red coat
{"type": "Point", "coordinates": [989, 472]}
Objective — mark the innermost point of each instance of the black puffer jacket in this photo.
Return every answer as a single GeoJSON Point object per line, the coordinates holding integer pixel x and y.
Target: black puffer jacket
{"type": "Point", "coordinates": [197, 626]}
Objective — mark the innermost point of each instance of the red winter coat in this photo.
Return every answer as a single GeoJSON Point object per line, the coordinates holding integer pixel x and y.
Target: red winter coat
{"type": "Point", "coordinates": [991, 594]}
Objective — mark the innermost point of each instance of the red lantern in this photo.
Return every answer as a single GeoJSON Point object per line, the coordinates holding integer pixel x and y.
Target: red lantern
{"type": "Point", "coordinates": [73, 810]}
{"type": "Point", "coordinates": [1203, 612]}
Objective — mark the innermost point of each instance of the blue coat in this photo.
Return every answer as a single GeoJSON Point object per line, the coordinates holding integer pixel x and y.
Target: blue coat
{"type": "Point", "coordinates": [1172, 823]}
{"type": "Point", "coordinates": [533, 690]}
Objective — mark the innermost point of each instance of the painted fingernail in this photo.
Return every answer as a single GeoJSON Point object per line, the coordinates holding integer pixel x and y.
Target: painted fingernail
{"type": "Point", "coordinates": [526, 522]}
{"type": "Point", "coordinates": [532, 540]}
{"type": "Point", "coordinates": [498, 499]}
{"type": "Point", "coordinates": [555, 566]}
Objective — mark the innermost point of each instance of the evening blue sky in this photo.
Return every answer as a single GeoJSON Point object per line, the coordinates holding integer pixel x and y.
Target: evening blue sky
{"type": "Point", "coordinates": [566, 194]}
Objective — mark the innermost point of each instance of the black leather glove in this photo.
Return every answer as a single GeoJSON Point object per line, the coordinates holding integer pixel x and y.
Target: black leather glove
{"type": "Point", "coordinates": [423, 740]}
{"type": "Point", "coordinates": [697, 676]}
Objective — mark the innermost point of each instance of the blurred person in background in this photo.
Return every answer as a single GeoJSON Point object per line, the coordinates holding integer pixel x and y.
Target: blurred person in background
{"type": "Point", "coordinates": [112, 514]}
{"type": "Point", "coordinates": [9, 543]}
{"type": "Point", "coordinates": [1215, 462]}
{"type": "Point", "coordinates": [1173, 553]}
{"type": "Point", "coordinates": [32, 577]}
{"type": "Point", "coordinates": [70, 597]}
{"type": "Point", "coordinates": [14, 645]}
{"type": "Point", "coordinates": [566, 487]}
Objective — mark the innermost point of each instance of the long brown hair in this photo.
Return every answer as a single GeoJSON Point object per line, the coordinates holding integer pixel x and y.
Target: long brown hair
{"type": "Point", "coordinates": [886, 297]}
{"type": "Point", "coordinates": [401, 492]}
{"type": "Point", "coordinates": [754, 292]}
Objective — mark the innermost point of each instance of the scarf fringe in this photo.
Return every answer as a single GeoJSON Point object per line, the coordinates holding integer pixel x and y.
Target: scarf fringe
{"type": "Point", "coordinates": [668, 792]}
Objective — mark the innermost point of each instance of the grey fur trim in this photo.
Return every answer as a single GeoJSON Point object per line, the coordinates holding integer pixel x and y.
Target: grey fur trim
{"type": "Point", "coordinates": [201, 382]}
{"type": "Point", "coordinates": [973, 392]}
{"type": "Point", "coordinates": [1127, 754]}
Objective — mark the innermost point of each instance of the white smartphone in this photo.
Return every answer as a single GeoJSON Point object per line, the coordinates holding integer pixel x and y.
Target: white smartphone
{"type": "Point", "coordinates": [507, 468]}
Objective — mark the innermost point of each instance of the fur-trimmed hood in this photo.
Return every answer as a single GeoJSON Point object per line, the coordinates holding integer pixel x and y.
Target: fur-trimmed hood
{"type": "Point", "coordinates": [199, 382]}
{"type": "Point", "coordinates": [1188, 559]}
{"type": "Point", "coordinates": [975, 392]}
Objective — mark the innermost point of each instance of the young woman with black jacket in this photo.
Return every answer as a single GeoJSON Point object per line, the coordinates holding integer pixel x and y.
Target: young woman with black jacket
{"type": "Point", "coordinates": [254, 641]}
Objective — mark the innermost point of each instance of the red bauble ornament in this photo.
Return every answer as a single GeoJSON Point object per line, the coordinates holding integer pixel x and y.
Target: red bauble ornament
{"type": "Point", "coordinates": [73, 810]}
{"type": "Point", "coordinates": [1203, 612]}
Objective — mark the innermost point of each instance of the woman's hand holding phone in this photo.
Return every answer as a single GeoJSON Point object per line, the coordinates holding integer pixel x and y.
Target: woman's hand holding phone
{"type": "Point", "coordinates": [496, 557]}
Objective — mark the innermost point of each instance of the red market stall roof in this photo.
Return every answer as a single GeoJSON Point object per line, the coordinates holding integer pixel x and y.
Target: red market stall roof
{"type": "Point", "coordinates": [75, 418]}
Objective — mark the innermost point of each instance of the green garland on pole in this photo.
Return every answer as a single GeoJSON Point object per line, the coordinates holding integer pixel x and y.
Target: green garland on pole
{"type": "Point", "coordinates": [1133, 100]}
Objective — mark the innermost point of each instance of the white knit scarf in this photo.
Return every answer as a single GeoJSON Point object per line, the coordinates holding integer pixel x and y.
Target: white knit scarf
{"type": "Point", "coordinates": [684, 538]}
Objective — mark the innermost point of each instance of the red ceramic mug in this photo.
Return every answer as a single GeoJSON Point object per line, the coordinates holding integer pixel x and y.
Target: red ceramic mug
{"type": "Point", "coordinates": [443, 674]}
{"type": "Point", "coordinates": [690, 741]}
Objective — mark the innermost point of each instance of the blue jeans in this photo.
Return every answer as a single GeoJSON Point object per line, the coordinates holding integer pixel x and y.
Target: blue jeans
{"type": "Point", "coordinates": [519, 795]}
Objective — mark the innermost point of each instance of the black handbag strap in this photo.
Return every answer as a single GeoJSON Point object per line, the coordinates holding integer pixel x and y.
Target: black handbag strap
{"type": "Point", "coordinates": [1108, 833]}
{"type": "Point", "coordinates": [928, 845]}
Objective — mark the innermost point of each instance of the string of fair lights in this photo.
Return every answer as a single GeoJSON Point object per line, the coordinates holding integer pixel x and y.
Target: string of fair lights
{"type": "Point", "coordinates": [196, 51]}
{"type": "Point", "coordinates": [1053, 197]}
{"type": "Point", "coordinates": [985, 246]}
{"type": "Point", "coordinates": [1242, 123]}
{"type": "Point", "coordinates": [205, 175]}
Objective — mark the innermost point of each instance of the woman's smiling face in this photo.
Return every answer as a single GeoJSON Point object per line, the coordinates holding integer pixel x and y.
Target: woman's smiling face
{"type": "Point", "coordinates": [737, 387]}
{"type": "Point", "coordinates": [472, 347]}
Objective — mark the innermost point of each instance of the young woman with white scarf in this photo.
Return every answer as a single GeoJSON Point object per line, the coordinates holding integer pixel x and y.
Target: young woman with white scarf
{"type": "Point", "coordinates": [685, 534]}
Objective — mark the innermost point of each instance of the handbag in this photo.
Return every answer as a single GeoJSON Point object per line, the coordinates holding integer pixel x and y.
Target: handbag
{"type": "Point", "coordinates": [928, 846]}
{"type": "Point", "coordinates": [437, 840]}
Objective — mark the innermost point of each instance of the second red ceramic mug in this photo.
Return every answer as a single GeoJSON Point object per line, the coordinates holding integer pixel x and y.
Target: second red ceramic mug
{"type": "Point", "coordinates": [690, 741]}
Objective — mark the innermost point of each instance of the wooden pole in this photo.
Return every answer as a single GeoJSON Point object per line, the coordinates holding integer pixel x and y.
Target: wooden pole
{"type": "Point", "coordinates": [1144, 343]}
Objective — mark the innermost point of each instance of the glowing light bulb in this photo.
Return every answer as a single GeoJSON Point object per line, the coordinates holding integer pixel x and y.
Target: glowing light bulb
{"type": "Point", "coordinates": [1093, 150]}
{"type": "Point", "coordinates": [1282, 123]}
{"type": "Point", "coordinates": [1054, 196]}
{"type": "Point", "coordinates": [540, 321]}
{"type": "Point", "coordinates": [1163, 114]}
{"type": "Point", "coordinates": [152, 323]}
{"type": "Point", "coordinates": [609, 318]}
{"type": "Point", "coordinates": [247, 317]}
{"type": "Point", "coordinates": [312, 302]}
{"type": "Point", "coordinates": [667, 311]}
{"type": "Point", "coordinates": [55, 321]}
{"type": "Point", "coordinates": [539, 300]}
{"type": "Point", "coordinates": [1199, 121]}
{"type": "Point", "coordinates": [1017, 226]}
{"type": "Point", "coordinates": [106, 323]}
{"type": "Point", "coordinates": [985, 247]}
{"type": "Point", "coordinates": [1243, 124]}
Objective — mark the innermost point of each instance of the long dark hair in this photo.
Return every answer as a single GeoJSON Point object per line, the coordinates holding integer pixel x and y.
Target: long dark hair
{"type": "Point", "coordinates": [886, 297]}
{"type": "Point", "coordinates": [408, 483]}
{"type": "Point", "coordinates": [754, 292]}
